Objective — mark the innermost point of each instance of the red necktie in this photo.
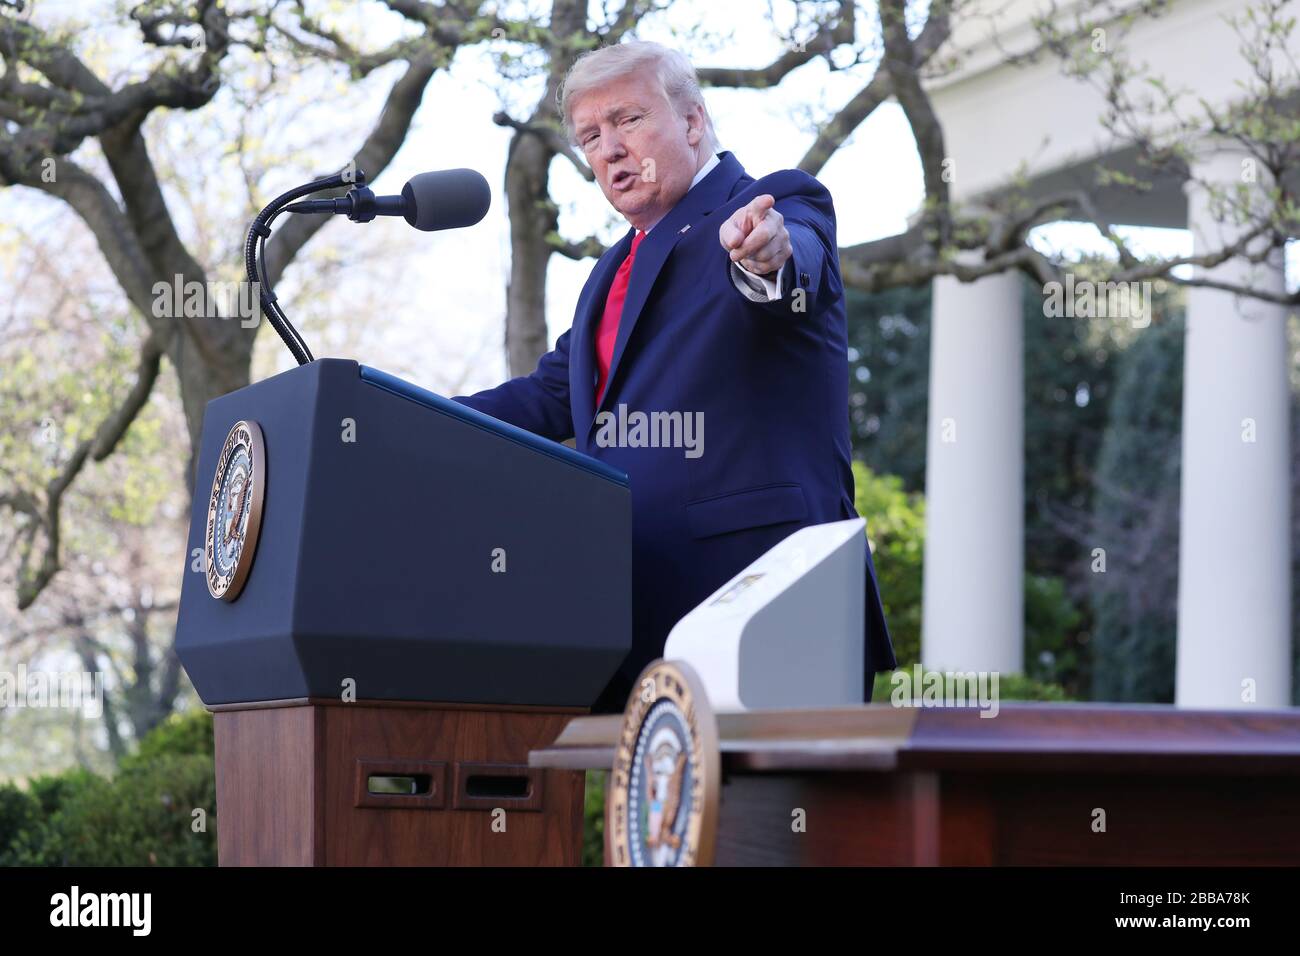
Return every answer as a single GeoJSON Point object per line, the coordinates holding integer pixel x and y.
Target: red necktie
{"type": "Point", "coordinates": [607, 332]}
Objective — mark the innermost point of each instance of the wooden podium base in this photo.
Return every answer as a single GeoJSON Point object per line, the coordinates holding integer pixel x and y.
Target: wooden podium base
{"type": "Point", "coordinates": [305, 783]}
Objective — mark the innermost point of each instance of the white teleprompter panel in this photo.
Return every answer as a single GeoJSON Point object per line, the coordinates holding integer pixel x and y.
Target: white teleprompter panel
{"type": "Point", "coordinates": [787, 631]}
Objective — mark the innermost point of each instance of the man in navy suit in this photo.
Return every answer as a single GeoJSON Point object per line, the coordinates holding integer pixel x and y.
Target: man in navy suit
{"type": "Point", "coordinates": [707, 357]}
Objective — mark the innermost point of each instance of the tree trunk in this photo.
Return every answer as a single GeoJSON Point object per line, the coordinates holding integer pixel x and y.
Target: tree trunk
{"type": "Point", "coordinates": [533, 215]}
{"type": "Point", "coordinates": [532, 218]}
{"type": "Point", "coordinates": [204, 375]}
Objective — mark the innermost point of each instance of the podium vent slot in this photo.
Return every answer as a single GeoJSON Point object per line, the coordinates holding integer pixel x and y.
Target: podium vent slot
{"type": "Point", "coordinates": [489, 786]}
{"type": "Point", "coordinates": [384, 783]}
{"type": "Point", "coordinates": [413, 785]}
{"type": "Point", "coordinates": [497, 786]}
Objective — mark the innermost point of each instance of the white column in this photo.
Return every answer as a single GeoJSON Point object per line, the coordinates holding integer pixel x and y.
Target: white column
{"type": "Point", "coordinates": [973, 598]}
{"type": "Point", "coordinates": [1234, 567]}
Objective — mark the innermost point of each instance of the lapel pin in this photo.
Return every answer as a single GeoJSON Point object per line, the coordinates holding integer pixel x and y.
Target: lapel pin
{"type": "Point", "coordinates": [683, 229]}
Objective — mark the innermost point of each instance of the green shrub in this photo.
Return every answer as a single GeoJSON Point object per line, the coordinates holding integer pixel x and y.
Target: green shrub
{"type": "Point", "coordinates": [142, 817]}
{"type": "Point", "coordinates": [52, 791]}
{"type": "Point", "coordinates": [1052, 620]}
{"type": "Point", "coordinates": [593, 819]}
{"type": "Point", "coordinates": [183, 734]}
{"type": "Point", "coordinates": [1135, 507]}
{"type": "Point", "coordinates": [896, 526]}
{"type": "Point", "coordinates": [20, 813]}
{"type": "Point", "coordinates": [889, 376]}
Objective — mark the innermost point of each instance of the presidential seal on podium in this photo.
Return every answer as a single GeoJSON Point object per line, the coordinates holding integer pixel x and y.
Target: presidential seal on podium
{"type": "Point", "coordinates": [662, 803]}
{"type": "Point", "coordinates": [235, 510]}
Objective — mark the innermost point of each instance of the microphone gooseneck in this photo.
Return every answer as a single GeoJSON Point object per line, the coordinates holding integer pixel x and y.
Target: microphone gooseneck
{"type": "Point", "coordinates": [253, 267]}
{"type": "Point", "coordinates": [446, 199]}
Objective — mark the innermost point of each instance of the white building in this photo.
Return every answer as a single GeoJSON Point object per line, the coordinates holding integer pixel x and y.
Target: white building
{"type": "Point", "coordinates": [1234, 604]}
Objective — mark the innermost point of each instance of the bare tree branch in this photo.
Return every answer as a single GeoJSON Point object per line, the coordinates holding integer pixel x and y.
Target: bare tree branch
{"type": "Point", "coordinates": [554, 139]}
{"type": "Point", "coordinates": [589, 248]}
{"type": "Point", "coordinates": [375, 154]}
{"type": "Point", "coordinates": [902, 64]}
{"type": "Point", "coordinates": [98, 447]}
{"type": "Point", "coordinates": [83, 105]}
{"type": "Point", "coordinates": [91, 200]}
{"type": "Point", "coordinates": [835, 31]}
{"type": "Point", "coordinates": [840, 127]}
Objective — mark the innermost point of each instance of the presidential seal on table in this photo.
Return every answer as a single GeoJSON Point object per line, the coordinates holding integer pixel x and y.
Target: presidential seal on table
{"type": "Point", "coordinates": [662, 803]}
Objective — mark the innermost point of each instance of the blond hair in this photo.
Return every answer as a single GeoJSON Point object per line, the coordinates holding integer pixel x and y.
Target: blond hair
{"type": "Point", "coordinates": [675, 73]}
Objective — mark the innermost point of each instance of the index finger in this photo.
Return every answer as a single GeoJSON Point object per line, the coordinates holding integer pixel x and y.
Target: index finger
{"type": "Point", "coordinates": [758, 207]}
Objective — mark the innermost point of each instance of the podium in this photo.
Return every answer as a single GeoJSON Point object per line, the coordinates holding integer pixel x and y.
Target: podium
{"type": "Point", "coordinates": [430, 593]}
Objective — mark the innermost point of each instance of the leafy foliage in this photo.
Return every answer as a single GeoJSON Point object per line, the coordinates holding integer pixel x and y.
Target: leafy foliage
{"type": "Point", "coordinates": [593, 819]}
{"type": "Point", "coordinates": [896, 528]}
{"type": "Point", "coordinates": [20, 811]}
{"type": "Point", "coordinates": [1051, 623]}
{"type": "Point", "coordinates": [145, 815]}
{"type": "Point", "coordinates": [142, 817]}
{"type": "Point", "coordinates": [1072, 368]}
{"type": "Point", "coordinates": [889, 376]}
{"type": "Point", "coordinates": [1135, 520]}
{"type": "Point", "coordinates": [183, 734]}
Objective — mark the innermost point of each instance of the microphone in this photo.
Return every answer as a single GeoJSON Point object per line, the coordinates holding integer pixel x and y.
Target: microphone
{"type": "Point", "coordinates": [446, 199]}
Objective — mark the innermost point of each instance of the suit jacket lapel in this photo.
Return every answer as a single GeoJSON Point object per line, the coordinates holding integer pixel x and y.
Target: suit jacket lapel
{"type": "Point", "coordinates": [710, 193]}
{"type": "Point", "coordinates": [582, 352]}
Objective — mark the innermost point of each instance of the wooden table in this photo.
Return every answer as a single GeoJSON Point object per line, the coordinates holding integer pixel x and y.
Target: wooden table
{"type": "Point", "coordinates": [1037, 784]}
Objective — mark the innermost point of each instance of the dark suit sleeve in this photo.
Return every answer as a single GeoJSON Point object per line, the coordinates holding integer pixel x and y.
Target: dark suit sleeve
{"type": "Point", "coordinates": [539, 402]}
{"type": "Point", "coordinates": [813, 271]}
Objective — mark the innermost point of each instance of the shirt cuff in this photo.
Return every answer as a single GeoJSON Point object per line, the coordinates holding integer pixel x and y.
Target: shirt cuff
{"type": "Point", "coordinates": [757, 288]}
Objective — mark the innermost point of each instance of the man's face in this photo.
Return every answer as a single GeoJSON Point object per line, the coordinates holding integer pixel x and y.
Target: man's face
{"type": "Point", "coordinates": [643, 151]}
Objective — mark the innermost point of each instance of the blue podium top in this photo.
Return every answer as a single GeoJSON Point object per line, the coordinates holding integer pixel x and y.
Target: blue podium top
{"type": "Point", "coordinates": [428, 399]}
